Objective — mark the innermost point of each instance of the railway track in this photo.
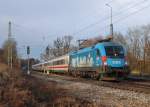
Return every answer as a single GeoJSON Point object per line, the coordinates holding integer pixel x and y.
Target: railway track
{"type": "Point", "coordinates": [140, 88]}
{"type": "Point", "coordinates": [135, 86]}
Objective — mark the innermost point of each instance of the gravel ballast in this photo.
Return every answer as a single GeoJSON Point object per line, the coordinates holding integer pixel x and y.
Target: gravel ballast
{"type": "Point", "coordinates": [101, 95]}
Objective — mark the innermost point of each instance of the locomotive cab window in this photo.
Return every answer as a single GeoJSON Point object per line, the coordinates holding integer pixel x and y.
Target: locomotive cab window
{"type": "Point", "coordinates": [114, 51]}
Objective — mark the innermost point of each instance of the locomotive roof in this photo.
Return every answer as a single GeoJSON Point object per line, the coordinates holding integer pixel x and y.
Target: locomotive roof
{"type": "Point", "coordinates": [95, 46]}
{"type": "Point", "coordinates": [108, 43]}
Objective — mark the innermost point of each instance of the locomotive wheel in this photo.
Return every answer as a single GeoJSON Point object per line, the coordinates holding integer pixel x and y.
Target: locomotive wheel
{"type": "Point", "coordinates": [74, 73]}
{"type": "Point", "coordinates": [92, 75]}
{"type": "Point", "coordinates": [100, 76]}
{"type": "Point", "coordinates": [47, 72]}
{"type": "Point", "coordinates": [81, 74]}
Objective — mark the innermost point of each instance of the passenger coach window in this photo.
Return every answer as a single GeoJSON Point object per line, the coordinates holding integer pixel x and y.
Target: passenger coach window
{"type": "Point", "coordinates": [59, 62]}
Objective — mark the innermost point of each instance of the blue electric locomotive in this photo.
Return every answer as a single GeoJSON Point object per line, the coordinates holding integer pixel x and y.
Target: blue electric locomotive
{"type": "Point", "coordinates": [105, 60]}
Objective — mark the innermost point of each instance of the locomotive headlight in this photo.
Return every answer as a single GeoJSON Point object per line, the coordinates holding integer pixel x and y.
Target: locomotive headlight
{"type": "Point", "coordinates": [104, 60]}
{"type": "Point", "coordinates": [105, 63]}
{"type": "Point", "coordinates": [126, 63]}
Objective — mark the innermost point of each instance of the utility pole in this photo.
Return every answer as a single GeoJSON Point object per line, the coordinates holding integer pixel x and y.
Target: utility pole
{"type": "Point", "coordinates": [10, 50]}
{"type": "Point", "coordinates": [111, 24]}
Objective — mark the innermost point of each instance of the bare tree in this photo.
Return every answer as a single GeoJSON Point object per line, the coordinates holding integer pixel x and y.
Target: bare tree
{"type": "Point", "coordinates": [58, 47]}
{"type": "Point", "coordinates": [138, 40]}
{"type": "Point", "coordinates": [61, 46]}
{"type": "Point", "coordinates": [146, 41]}
{"type": "Point", "coordinates": [6, 45]}
{"type": "Point", "coordinates": [120, 38]}
{"type": "Point", "coordinates": [67, 43]}
{"type": "Point", "coordinates": [48, 53]}
{"type": "Point", "coordinates": [134, 39]}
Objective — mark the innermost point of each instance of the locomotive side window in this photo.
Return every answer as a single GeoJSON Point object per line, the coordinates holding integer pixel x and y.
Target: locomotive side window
{"type": "Point", "coordinates": [98, 53]}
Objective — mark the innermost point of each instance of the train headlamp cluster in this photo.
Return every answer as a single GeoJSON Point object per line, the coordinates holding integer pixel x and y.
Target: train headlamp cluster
{"type": "Point", "coordinates": [126, 63]}
{"type": "Point", "coordinates": [105, 63]}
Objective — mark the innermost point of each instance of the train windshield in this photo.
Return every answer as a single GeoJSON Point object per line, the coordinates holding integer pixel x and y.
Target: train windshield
{"type": "Point", "coordinates": [114, 51]}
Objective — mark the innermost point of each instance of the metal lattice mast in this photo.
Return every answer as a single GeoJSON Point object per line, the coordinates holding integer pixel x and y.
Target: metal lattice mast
{"type": "Point", "coordinates": [9, 46]}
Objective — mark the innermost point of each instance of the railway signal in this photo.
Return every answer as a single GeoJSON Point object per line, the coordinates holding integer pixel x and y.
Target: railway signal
{"type": "Point", "coordinates": [28, 50]}
{"type": "Point", "coordinates": [28, 53]}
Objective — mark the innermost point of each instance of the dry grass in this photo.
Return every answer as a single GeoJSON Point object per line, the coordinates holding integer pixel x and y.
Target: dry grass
{"type": "Point", "coordinates": [3, 67]}
{"type": "Point", "coordinates": [49, 95]}
{"type": "Point", "coordinates": [18, 90]}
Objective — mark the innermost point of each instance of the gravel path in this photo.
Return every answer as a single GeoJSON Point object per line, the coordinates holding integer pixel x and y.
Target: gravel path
{"type": "Point", "coordinates": [100, 95]}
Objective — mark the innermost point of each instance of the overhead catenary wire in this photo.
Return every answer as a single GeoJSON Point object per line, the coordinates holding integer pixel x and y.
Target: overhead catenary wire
{"type": "Point", "coordinates": [131, 14]}
{"type": "Point", "coordinates": [32, 31]}
{"type": "Point", "coordinates": [90, 25]}
{"type": "Point", "coordinates": [116, 21]}
{"type": "Point", "coordinates": [106, 18]}
{"type": "Point", "coordinates": [33, 45]}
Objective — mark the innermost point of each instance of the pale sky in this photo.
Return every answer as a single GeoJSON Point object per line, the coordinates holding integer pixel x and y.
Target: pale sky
{"type": "Point", "coordinates": [38, 22]}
